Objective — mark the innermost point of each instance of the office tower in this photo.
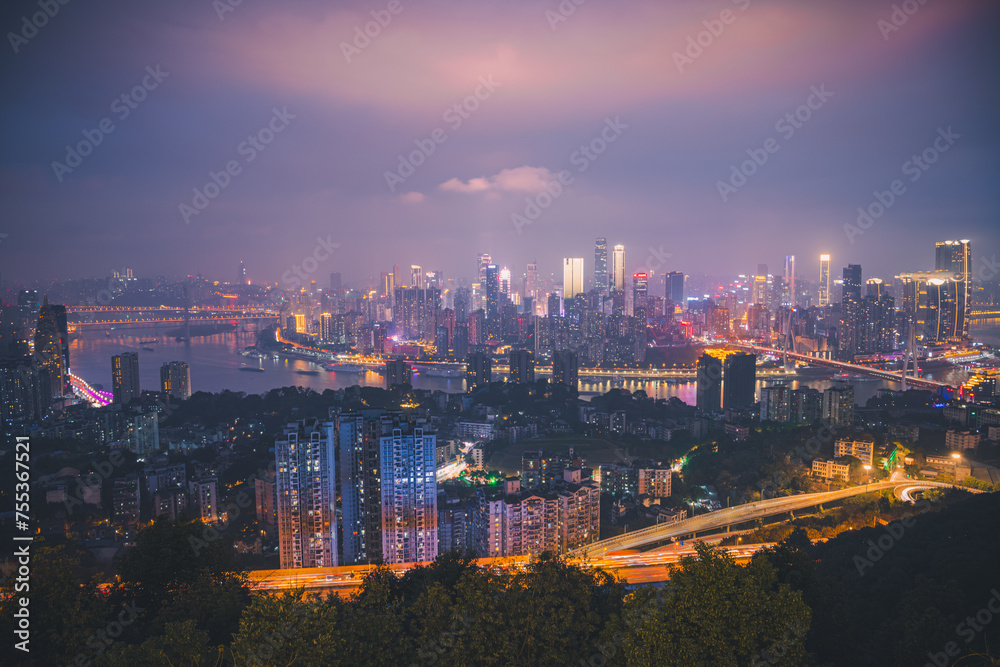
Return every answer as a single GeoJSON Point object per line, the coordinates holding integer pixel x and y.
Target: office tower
{"type": "Point", "coordinates": [675, 287]}
{"type": "Point", "coordinates": [416, 277]}
{"type": "Point", "coordinates": [824, 281]}
{"type": "Point", "coordinates": [601, 265]}
{"type": "Point", "coordinates": [956, 258]}
{"type": "Point", "coordinates": [205, 499]}
{"type": "Point", "coordinates": [709, 383]}
{"type": "Point", "coordinates": [409, 494]}
{"type": "Point", "coordinates": [566, 368]}
{"type": "Point", "coordinates": [759, 295]}
{"type": "Point", "coordinates": [789, 297]}
{"type": "Point", "coordinates": [305, 466]}
{"type": "Point", "coordinates": [175, 379]}
{"type": "Point", "coordinates": [640, 291]}
{"type": "Point", "coordinates": [241, 274]}
{"type": "Point", "coordinates": [483, 261]}
{"type": "Point", "coordinates": [125, 377]}
{"type": "Point", "coordinates": [52, 353]}
{"type": "Point", "coordinates": [336, 282]}
{"type": "Point", "coordinates": [504, 278]}
{"type": "Point", "coordinates": [414, 315]}
{"type": "Point", "coordinates": [388, 284]}
{"type": "Point", "coordinates": [19, 395]}
{"type": "Point", "coordinates": [572, 277]}
{"type": "Point", "coordinates": [739, 381]}
{"type": "Point", "coordinates": [397, 373]}
{"type": "Point", "coordinates": [326, 327]}
{"type": "Point", "coordinates": [462, 304]}
{"type": "Point", "coordinates": [850, 313]}
{"type": "Point", "coordinates": [522, 367]}
{"type": "Point", "coordinates": [838, 406]}
{"type": "Point", "coordinates": [478, 371]}
{"type": "Point", "coordinates": [397, 276]}
{"type": "Point", "coordinates": [531, 282]}
{"type": "Point", "coordinates": [618, 268]}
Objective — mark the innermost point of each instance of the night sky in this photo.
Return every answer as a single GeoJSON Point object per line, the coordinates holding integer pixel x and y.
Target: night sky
{"type": "Point", "coordinates": [532, 86]}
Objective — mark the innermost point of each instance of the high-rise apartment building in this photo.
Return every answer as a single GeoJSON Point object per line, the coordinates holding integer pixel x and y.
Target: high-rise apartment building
{"type": "Point", "coordinates": [409, 494]}
{"type": "Point", "coordinates": [522, 367]}
{"type": "Point", "coordinates": [125, 377]}
{"type": "Point", "coordinates": [848, 334]}
{"type": "Point", "coordinates": [51, 353]}
{"type": "Point", "coordinates": [478, 371]}
{"type": "Point", "coordinates": [175, 379]}
{"type": "Point", "coordinates": [415, 311]}
{"type": "Point", "coordinates": [306, 481]}
{"type": "Point", "coordinates": [838, 406]}
{"type": "Point", "coordinates": [709, 383]}
{"type": "Point", "coordinates": [397, 373]}
{"type": "Point", "coordinates": [566, 368]}
{"type": "Point", "coordinates": [739, 381]}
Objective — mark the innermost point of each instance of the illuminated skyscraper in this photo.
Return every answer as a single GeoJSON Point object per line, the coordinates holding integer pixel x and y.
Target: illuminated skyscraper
{"type": "Point", "coordinates": [52, 353]}
{"type": "Point", "coordinates": [504, 284]}
{"type": "Point", "coordinates": [483, 261]}
{"type": "Point", "coordinates": [849, 334]}
{"type": "Point", "coordinates": [409, 495]}
{"type": "Point", "coordinates": [618, 269]}
{"type": "Point", "coordinates": [789, 297]}
{"type": "Point", "coordinates": [572, 277]}
{"type": "Point", "coordinates": [492, 291]}
{"type": "Point", "coordinates": [305, 465]}
{"type": "Point", "coordinates": [824, 280]}
{"type": "Point", "coordinates": [601, 265]}
{"type": "Point", "coordinates": [175, 379]}
{"type": "Point", "coordinates": [125, 377]}
{"type": "Point", "coordinates": [416, 276]}
{"type": "Point", "coordinates": [956, 257]}
{"type": "Point", "coordinates": [640, 291]}
{"type": "Point", "coordinates": [531, 282]}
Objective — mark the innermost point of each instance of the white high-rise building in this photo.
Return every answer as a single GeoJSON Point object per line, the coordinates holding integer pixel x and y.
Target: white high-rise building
{"type": "Point", "coordinates": [618, 268]}
{"type": "Point", "coordinates": [572, 277]}
{"type": "Point", "coordinates": [790, 297]}
{"type": "Point", "coordinates": [307, 494]}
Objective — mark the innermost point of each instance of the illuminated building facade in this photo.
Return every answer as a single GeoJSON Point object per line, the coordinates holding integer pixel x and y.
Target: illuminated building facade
{"type": "Point", "coordinates": [305, 467]}
{"type": "Point", "coordinates": [618, 269]}
{"type": "Point", "coordinates": [601, 265]}
{"type": "Point", "coordinates": [175, 379]}
{"type": "Point", "coordinates": [572, 277]}
{"type": "Point", "coordinates": [823, 298]}
{"type": "Point", "coordinates": [409, 495]}
{"type": "Point", "coordinates": [125, 377]}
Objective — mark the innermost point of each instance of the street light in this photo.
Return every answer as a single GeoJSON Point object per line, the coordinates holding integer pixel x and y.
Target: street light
{"type": "Point", "coordinates": [957, 457]}
{"type": "Point", "coordinates": [867, 478]}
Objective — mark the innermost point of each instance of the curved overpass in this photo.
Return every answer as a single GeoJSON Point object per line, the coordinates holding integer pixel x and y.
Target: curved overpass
{"type": "Point", "coordinates": [735, 515]}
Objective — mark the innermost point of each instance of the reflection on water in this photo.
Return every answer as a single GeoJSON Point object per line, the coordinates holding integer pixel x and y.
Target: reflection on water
{"type": "Point", "coordinates": [215, 363]}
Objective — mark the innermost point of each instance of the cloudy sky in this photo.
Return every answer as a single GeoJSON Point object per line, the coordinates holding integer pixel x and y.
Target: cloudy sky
{"type": "Point", "coordinates": [434, 136]}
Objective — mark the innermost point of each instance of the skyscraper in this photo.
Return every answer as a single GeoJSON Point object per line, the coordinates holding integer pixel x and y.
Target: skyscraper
{"type": "Point", "coordinates": [789, 298]}
{"type": "Point", "coordinates": [618, 269]}
{"type": "Point", "coordinates": [572, 277]}
{"type": "Point", "coordinates": [601, 265]}
{"type": "Point", "coordinates": [848, 335]}
{"type": "Point", "coordinates": [956, 258]}
{"type": "Point", "coordinates": [483, 262]}
{"type": "Point", "coordinates": [175, 379]}
{"type": "Point", "coordinates": [709, 383]}
{"type": "Point", "coordinates": [531, 282]}
{"type": "Point", "coordinates": [566, 368]}
{"type": "Point", "coordinates": [739, 381]}
{"type": "Point", "coordinates": [675, 287]}
{"type": "Point", "coordinates": [522, 367]}
{"type": "Point", "coordinates": [409, 495]}
{"type": "Point", "coordinates": [306, 480]}
{"type": "Point", "coordinates": [397, 373]}
{"type": "Point", "coordinates": [52, 353]}
{"type": "Point", "coordinates": [492, 290]}
{"type": "Point", "coordinates": [877, 324]}
{"type": "Point", "coordinates": [640, 291]}
{"type": "Point", "coordinates": [824, 280]}
{"type": "Point", "coordinates": [125, 377]}
{"type": "Point", "coordinates": [416, 276]}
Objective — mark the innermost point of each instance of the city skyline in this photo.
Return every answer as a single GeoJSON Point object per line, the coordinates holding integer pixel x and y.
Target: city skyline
{"type": "Point", "coordinates": [656, 182]}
